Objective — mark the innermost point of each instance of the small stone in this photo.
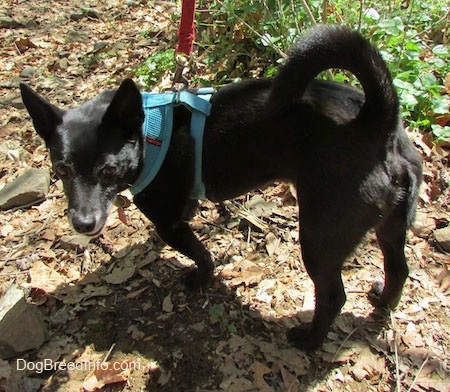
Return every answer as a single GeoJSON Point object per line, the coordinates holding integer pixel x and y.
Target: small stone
{"type": "Point", "coordinates": [9, 23]}
{"type": "Point", "coordinates": [21, 325]}
{"type": "Point", "coordinates": [63, 64]}
{"type": "Point", "coordinates": [17, 103]}
{"type": "Point", "coordinates": [31, 24]}
{"type": "Point", "coordinates": [77, 241]}
{"type": "Point", "coordinates": [28, 72]}
{"type": "Point", "coordinates": [76, 17]}
{"type": "Point", "coordinates": [199, 327]}
{"type": "Point", "coordinates": [28, 189]}
{"type": "Point", "coordinates": [442, 237]}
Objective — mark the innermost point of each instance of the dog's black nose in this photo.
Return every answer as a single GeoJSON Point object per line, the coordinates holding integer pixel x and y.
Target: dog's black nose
{"type": "Point", "coordinates": [84, 224]}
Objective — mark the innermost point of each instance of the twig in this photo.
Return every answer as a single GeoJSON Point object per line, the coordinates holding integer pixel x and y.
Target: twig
{"type": "Point", "coordinates": [397, 367]}
{"type": "Point", "coordinates": [247, 215]}
{"type": "Point", "coordinates": [344, 341]}
{"type": "Point", "coordinates": [324, 11]}
{"type": "Point", "coordinates": [46, 222]}
{"type": "Point", "coordinates": [308, 12]}
{"type": "Point", "coordinates": [18, 50]}
{"type": "Point", "coordinates": [14, 273]}
{"type": "Point", "coordinates": [109, 353]}
{"type": "Point", "coordinates": [418, 374]}
{"type": "Point", "coordinates": [361, 10]}
{"type": "Point", "coordinates": [208, 222]}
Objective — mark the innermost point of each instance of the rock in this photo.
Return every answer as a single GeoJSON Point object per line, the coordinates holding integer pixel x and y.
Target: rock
{"type": "Point", "coordinates": [28, 189]}
{"type": "Point", "coordinates": [17, 103]}
{"type": "Point", "coordinates": [63, 63]}
{"type": "Point", "coordinates": [9, 23]}
{"type": "Point", "coordinates": [76, 17]}
{"type": "Point", "coordinates": [21, 325]}
{"type": "Point", "coordinates": [442, 237]}
{"type": "Point", "coordinates": [77, 241]}
{"type": "Point", "coordinates": [31, 24]}
{"type": "Point", "coordinates": [28, 72]}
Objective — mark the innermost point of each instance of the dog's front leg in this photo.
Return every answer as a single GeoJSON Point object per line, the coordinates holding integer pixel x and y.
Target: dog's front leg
{"type": "Point", "coordinates": [167, 212]}
{"type": "Point", "coordinates": [179, 236]}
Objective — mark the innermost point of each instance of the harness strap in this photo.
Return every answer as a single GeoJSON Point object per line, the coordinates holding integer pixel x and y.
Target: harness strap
{"type": "Point", "coordinates": [157, 129]}
{"type": "Point", "coordinates": [202, 108]}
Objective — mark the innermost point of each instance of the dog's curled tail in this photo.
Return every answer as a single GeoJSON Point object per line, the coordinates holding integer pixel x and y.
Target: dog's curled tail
{"type": "Point", "coordinates": [330, 46]}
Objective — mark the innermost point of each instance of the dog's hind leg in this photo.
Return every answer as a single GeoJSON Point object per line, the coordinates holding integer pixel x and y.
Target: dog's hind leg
{"type": "Point", "coordinates": [331, 226]}
{"type": "Point", "coordinates": [324, 249]}
{"type": "Point", "coordinates": [391, 234]}
{"type": "Point", "coordinates": [324, 268]}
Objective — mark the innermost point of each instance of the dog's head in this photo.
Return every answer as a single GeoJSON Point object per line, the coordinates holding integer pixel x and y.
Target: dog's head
{"type": "Point", "coordinates": [96, 149]}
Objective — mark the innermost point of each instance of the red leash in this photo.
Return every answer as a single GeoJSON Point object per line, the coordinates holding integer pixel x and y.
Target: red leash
{"type": "Point", "coordinates": [186, 31]}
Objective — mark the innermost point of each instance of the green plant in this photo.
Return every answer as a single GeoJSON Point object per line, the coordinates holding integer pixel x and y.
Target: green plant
{"type": "Point", "coordinates": [249, 38]}
{"type": "Point", "coordinates": [419, 66]}
{"type": "Point", "coordinates": [217, 315]}
{"type": "Point", "coordinates": [154, 68]}
{"type": "Point", "coordinates": [410, 36]}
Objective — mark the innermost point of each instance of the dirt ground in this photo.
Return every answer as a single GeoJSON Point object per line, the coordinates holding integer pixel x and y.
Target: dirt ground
{"type": "Point", "coordinates": [119, 300]}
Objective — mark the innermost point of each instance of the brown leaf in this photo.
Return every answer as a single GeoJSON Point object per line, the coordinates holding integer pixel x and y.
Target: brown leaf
{"type": "Point", "coordinates": [167, 305]}
{"type": "Point", "coordinates": [290, 381]}
{"type": "Point", "coordinates": [23, 44]}
{"type": "Point", "coordinates": [259, 370]}
{"type": "Point", "coordinates": [243, 272]}
{"type": "Point", "coordinates": [107, 373]}
{"type": "Point", "coordinates": [444, 280]}
{"type": "Point", "coordinates": [120, 274]}
{"type": "Point", "coordinates": [45, 278]}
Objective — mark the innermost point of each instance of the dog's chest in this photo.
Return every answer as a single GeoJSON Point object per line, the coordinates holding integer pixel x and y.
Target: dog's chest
{"type": "Point", "coordinates": [157, 131]}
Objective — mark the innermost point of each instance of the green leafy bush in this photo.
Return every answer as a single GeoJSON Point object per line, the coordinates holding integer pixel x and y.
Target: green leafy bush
{"type": "Point", "coordinates": [248, 38]}
{"type": "Point", "coordinates": [150, 73]}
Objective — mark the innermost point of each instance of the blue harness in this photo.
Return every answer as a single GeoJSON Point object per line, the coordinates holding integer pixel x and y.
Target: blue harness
{"type": "Point", "coordinates": [157, 130]}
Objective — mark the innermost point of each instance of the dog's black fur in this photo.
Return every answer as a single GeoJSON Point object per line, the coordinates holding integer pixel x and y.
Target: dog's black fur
{"type": "Point", "coordinates": [346, 152]}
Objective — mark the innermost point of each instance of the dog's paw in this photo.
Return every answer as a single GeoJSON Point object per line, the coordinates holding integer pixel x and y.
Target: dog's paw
{"type": "Point", "coordinates": [374, 295]}
{"type": "Point", "coordinates": [382, 298]}
{"type": "Point", "coordinates": [196, 281]}
{"type": "Point", "coordinates": [303, 338]}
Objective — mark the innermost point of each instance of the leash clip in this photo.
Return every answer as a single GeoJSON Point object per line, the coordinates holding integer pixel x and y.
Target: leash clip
{"type": "Point", "coordinates": [178, 78]}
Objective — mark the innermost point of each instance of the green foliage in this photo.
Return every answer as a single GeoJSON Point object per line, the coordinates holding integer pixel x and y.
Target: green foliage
{"type": "Point", "coordinates": [419, 62]}
{"type": "Point", "coordinates": [218, 315]}
{"type": "Point", "coordinates": [155, 67]}
{"type": "Point", "coordinates": [247, 38]}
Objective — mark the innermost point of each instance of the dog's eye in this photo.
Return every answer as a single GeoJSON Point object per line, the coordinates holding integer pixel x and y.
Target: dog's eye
{"type": "Point", "coordinates": [109, 171]}
{"type": "Point", "coordinates": [63, 171]}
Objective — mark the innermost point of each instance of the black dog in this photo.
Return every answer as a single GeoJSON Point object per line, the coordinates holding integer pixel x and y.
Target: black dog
{"type": "Point", "coordinates": [347, 153]}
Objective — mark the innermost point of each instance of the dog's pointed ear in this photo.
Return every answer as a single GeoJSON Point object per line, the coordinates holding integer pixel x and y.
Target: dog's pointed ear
{"type": "Point", "coordinates": [45, 116]}
{"type": "Point", "coordinates": [125, 109]}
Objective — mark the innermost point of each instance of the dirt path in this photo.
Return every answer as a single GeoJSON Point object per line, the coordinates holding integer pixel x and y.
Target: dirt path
{"type": "Point", "coordinates": [121, 292]}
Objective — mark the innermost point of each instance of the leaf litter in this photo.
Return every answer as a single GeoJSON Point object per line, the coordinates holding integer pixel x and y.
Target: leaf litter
{"type": "Point", "coordinates": [116, 300]}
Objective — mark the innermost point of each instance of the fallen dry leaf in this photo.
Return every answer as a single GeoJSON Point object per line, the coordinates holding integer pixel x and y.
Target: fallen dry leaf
{"type": "Point", "coordinates": [23, 44]}
{"type": "Point", "coordinates": [167, 305]}
{"type": "Point", "coordinates": [259, 370]}
{"type": "Point", "coordinates": [243, 272]}
{"type": "Point", "coordinates": [120, 274]}
{"type": "Point", "coordinates": [45, 278]}
{"type": "Point", "coordinates": [107, 373]}
{"type": "Point", "coordinates": [444, 280]}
